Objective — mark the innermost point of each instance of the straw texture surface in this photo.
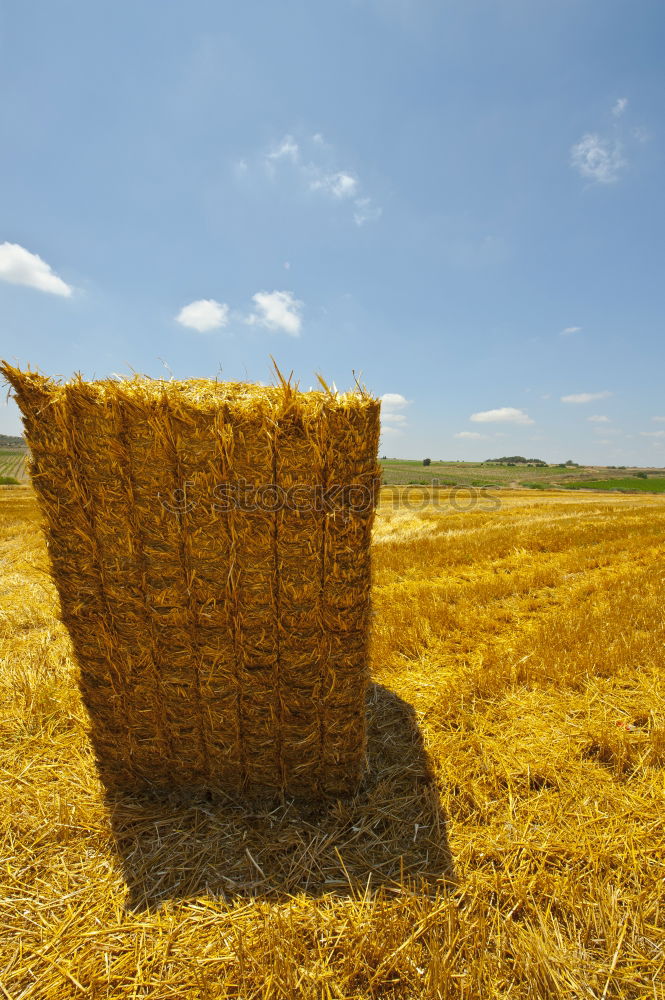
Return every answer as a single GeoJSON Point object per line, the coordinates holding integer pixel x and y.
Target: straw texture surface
{"type": "Point", "coordinates": [210, 547]}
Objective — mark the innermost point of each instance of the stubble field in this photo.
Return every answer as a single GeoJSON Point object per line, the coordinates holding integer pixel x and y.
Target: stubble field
{"type": "Point", "coordinates": [508, 839]}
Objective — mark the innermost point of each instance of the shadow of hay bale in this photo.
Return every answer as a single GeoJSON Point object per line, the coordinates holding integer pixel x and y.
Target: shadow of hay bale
{"type": "Point", "coordinates": [391, 834]}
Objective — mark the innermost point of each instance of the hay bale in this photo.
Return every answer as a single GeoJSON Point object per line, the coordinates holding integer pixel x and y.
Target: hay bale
{"type": "Point", "coordinates": [210, 546]}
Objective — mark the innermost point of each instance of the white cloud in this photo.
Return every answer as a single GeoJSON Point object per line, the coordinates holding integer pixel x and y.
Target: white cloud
{"type": "Point", "coordinates": [343, 185]}
{"type": "Point", "coordinates": [340, 185]}
{"type": "Point", "coordinates": [366, 211]}
{"type": "Point", "coordinates": [652, 434]}
{"type": "Point", "coordinates": [471, 435]}
{"type": "Point", "coordinates": [597, 158]}
{"type": "Point", "coordinates": [585, 397]}
{"type": "Point", "coordinates": [620, 107]}
{"type": "Point", "coordinates": [20, 267]}
{"type": "Point", "coordinates": [505, 414]}
{"type": "Point", "coordinates": [288, 149]}
{"type": "Point", "coordinates": [391, 401]}
{"type": "Point", "coordinates": [204, 315]}
{"type": "Point", "coordinates": [659, 420]}
{"type": "Point", "coordinates": [570, 329]}
{"type": "Point", "coordinates": [287, 265]}
{"type": "Point", "coordinates": [598, 418]}
{"type": "Point", "coordinates": [392, 406]}
{"type": "Point", "coordinates": [277, 311]}
{"type": "Point", "coordinates": [386, 429]}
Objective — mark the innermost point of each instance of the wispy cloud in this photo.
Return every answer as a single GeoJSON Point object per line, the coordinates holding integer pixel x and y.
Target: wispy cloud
{"type": "Point", "coordinates": [20, 267]}
{"type": "Point", "coordinates": [277, 311]}
{"type": "Point", "coordinates": [471, 435]}
{"type": "Point", "coordinates": [504, 414]}
{"type": "Point", "coordinates": [204, 315]}
{"type": "Point", "coordinates": [599, 418]}
{"type": "Point", "coordinates": [598, 158]}
{"type": "Point", "coordinates": [585, 397]}
{"type": "Point", "coordinates": [312, 160]}
{"type": "Point", "coordinates": [659, 420]}
{"type": "Point", "coordinates": [609, 431]}
{"type": "Point", "coordinates": [568, 330]}
{"type": "Point", "coordinates": [339, 185]}
{"type": "Point", "coordinates": [366, 211]}
{"type": "Point", "coordinates": [287, 149]}
{"type": "Point", "coordinates": [652, 434]}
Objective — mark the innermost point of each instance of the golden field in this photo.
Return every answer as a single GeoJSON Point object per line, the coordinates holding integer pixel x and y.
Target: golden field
{"type": "Point", "coordinates": [508, 840]}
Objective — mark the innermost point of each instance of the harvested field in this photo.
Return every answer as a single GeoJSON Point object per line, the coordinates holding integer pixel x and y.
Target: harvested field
{"type": "Point", "coordinates": [507, 840]}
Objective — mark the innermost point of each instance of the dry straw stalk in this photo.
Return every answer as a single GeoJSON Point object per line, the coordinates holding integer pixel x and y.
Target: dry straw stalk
{"type": "Point", "coordinates": [220, 632]}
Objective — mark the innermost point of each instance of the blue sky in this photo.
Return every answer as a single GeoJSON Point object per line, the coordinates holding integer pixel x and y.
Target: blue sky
{"type": "Point", "coordinates": [462, 201]}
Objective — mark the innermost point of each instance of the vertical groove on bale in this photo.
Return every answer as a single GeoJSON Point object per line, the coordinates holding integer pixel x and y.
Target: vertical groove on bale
{"type": "Point", "coordinates": [227, 512]}
{"type": "Point", "coordinates": [207, 557]}
{"type": "Point", "coordinates": [186, 583]}
{"type": "Point", "coordinates": [279, 749]}
{"type": "Point", "coordinates": [343, 669]}
{"type": "Point", "coordinates": [299, 530]}
{"type": "Point", "coordinates": [158, 512]}
{"type": "Point", "coordinates": [138, 550]}
{"type": "Point", "coordinates": [324, 641]}
{"type": "Point", "coordinates": [252, 471]}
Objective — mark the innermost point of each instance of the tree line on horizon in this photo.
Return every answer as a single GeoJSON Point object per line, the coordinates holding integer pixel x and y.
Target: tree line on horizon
{"type": "Point", "coordinates": [11, 441]}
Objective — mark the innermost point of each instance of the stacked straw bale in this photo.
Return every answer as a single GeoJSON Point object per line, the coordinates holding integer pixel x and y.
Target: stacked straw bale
{"type": "Point", "coordinates": [219, 646]}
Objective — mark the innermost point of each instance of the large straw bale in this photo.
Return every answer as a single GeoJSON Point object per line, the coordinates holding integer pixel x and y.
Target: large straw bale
{"type": "Point", "coordinates": [221, 637]}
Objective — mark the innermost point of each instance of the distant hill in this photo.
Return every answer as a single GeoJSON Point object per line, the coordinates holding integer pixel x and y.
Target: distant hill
{"type": "Point", "coordinates": [515, 460]}
{"type": "Point", "coordinates": [8, 441]}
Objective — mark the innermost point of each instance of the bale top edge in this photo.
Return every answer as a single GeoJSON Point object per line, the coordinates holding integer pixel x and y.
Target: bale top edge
{"type": "Point", "coordinates": [196, 391]}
